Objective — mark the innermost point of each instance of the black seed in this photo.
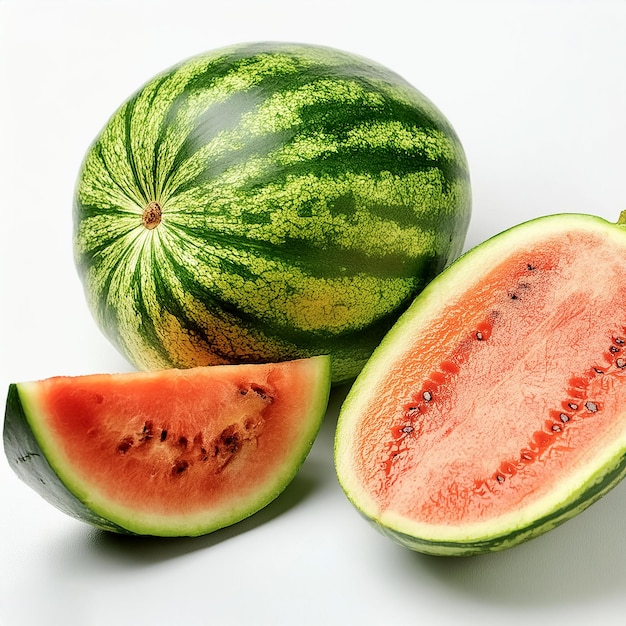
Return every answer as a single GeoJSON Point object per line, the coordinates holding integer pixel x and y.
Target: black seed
{"type": "Point", "coordinates": [180, 466]}
{"type": "Point", "coordinates": [597, 370]}
{"type": "Point", "coordinates": [564, 418]}
{"type": "Point", "coordinates": [513, 296]}
{"type": "Point", "coordinates": [407, 429]}
{"type": "Point", "coordinates": [619, 340]}
{"type": "Point", "coordinates": [530, 267]}
{"type": "Point", "coordinates": [147, 431]}
{"type": "Point", "coordinates": [479, 336]}
{"type": "Point", "coordinates": [125, 445]}
{"type": "Point", "coordinates": [428, 396]}
{"type": "Point", "coordinates": [621, 363]}
{"type": "Point", "coordinates": [573, 406]}
{"type": "Point", "coordinates": [591, 406]}
{"type": "Point", "coordinates": [614, 349]}
{"type": "Point", "coordinates": [556, 428]}
{"type": "Point", "coordinates": [182, 441]}
{"type": "Point", "coordinates": [500, 478]}
{"type": "Point", "coordinates": [259, 391]}
{"type": "Point", "coordinates": [164, 434]}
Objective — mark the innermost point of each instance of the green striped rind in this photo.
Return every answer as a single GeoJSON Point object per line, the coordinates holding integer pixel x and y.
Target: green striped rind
{"type": "Point", "coordinates": [307, 196]}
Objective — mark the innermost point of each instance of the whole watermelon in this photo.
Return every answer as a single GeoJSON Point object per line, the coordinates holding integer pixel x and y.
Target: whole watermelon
{"type": "Point", "coordinates": [264, 202]}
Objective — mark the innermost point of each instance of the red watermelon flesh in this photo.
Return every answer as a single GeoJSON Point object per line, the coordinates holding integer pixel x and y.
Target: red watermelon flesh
{"type": "Point", "coordinates": [495, 408]}
{"type": "Point", "coordinates": [171, 452]}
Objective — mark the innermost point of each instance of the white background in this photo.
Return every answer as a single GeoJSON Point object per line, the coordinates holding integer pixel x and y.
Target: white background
{"type": "Point", "coordinates": [537, 93]}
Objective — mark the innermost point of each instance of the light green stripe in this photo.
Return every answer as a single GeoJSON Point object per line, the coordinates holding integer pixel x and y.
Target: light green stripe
{"type": "Point", "coordinates": [224, 208]}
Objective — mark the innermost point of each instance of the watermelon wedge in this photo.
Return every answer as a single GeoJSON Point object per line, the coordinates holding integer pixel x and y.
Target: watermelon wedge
{"type": "Point", "coordinates": [170, 452]}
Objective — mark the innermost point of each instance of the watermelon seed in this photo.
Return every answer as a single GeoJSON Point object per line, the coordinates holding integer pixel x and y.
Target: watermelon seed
{"type": "Point", "coordinates": [428, 396]}
{"type": "Point", "coordinates": [479, 336]}
{"type": "Point", "coordinates": [262, 393]}
{"type": "Point", "coordinates": [513, 296]}
{"type": "Point", "coordinates": [556, 428]}
{"type": "Point", "coordinates": [500, 478]}
{"type": "Point", "coordinates": [147, 431]}
{"type": "Point", "coordinates": [598, 370]}
{"type": "Point", "coordinates": [229, 440]}
{"type": "Point", "coordinates": [564, 418]}
{"type": "Point", "coordinates": [621, 363]}
{"type": "Point", "coordinates": [591, 406]}
{"type": "Point", "coordinates": [619, 340]}
{"type": "Point", "coordinates": [164, 434]}
{"type": "Point", "coordinates": [125, 445]}
{"type": "Point", "coordinates": [179, 467]}
{"type": "Point", "coordinates": [408, 429]}
{"type": "Point", "coordinates": [530, 267]}
{"type": "Point", "coordinates": [182, 441]}
{"type": "Point", "coordinates": [573, 406]}
{"type": "Point", "coordinates": [614, 349]}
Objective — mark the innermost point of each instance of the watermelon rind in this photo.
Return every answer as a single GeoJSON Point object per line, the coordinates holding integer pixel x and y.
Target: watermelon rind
{"type": "Point", "coordinates": [305, 195]}
{"type": "Point", "coordinates": [39, 460]}
{"type": "Point", "coordinates": [604, 469]}
{"type": "Point", "coordinates": [31, 465]}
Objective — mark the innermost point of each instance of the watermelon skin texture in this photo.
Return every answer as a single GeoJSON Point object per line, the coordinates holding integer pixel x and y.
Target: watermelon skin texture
{"type": "Point", "coordinates": [266, 202]}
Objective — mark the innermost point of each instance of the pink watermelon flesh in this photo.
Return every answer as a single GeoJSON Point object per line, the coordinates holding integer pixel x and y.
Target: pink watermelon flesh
{"type": "Point", "coordinates": [178, 451]}
{"type": "Point", "coordinates": [504, 382]}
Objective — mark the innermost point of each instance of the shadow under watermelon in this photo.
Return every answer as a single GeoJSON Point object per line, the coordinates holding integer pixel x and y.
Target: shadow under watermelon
{"type": "Point", "coordinates": [149, 549]}
{"type": "Point", "coordinates": [578, 562]}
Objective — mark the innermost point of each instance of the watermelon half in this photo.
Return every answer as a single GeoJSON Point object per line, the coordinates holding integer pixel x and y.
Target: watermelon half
{"type": "Point", "coordinates": [265, 202]}
{"type": "Point", "coordinates": [170, 452]}
{"type": "Point", "coordinates": [495, 409]}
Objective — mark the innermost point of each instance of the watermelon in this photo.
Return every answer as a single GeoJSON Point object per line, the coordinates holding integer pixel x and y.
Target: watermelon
{"type": "Point", "coordinates": [494, 410]}
{"type": "Point", "coordinates": [266, 202]}
{"type": "Point", "coordinates": [170, 452]}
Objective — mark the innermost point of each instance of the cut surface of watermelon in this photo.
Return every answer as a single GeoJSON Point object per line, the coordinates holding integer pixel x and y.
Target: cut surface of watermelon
{"type": "Point", "coordinates": [494, 409]}
{"type": "Point", "coordinates": [170, 452]}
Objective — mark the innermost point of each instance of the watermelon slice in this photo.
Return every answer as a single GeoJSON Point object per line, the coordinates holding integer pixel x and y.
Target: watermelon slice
{"type": "Point", "coordinates": [495, 408]}
{"type": "Point", "coordinates": [171, 452]}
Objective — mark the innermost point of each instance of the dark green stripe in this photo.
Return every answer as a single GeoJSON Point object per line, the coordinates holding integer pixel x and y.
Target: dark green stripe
{"type": "Point", "coordinates": [111, 173]}
{"type": "Point", "coordinates": [145, 194]}
{"type": "Point", "coordinates": [281, 334]}
{"type": "Point", "coordinates": [333, 117]}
